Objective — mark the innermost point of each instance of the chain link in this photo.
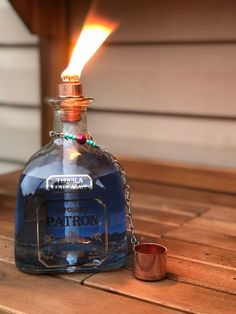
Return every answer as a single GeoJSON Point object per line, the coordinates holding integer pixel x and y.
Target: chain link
{"type": "Point", "coordinates": [134, 241]}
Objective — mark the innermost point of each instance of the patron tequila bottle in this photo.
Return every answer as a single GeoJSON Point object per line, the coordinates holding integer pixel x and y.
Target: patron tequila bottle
{"type": "Point", "coordinates": [70, 214]}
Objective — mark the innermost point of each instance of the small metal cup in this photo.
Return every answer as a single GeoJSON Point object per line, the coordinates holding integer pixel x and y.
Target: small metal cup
{"type": "Point", "coordinates": [150, 261]}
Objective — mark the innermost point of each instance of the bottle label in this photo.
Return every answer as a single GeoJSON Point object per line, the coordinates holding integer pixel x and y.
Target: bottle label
{"type": "Point", "coordinates": [70, 183]}
{"type": "Point", "coordinates": [72, 232]}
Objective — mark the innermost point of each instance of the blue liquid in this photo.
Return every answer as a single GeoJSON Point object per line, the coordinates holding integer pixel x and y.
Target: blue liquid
{"type": "Point", "coordinates": [71, 231]}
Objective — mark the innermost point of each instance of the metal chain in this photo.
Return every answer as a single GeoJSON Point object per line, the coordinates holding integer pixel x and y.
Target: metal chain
{"type": "Point", "coordinates": [134, 241]}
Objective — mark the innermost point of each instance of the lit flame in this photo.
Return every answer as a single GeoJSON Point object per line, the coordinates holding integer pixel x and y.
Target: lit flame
{"type": "Point", "coordinates": [90, 39]}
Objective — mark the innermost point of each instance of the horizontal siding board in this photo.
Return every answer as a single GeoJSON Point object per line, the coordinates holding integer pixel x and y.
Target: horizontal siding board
{"type": "Point", "coordinates": [185, 140]}
{"type": "Point", "coordinates": [197, 79]}
{"type": "Point", "coordinates": [19, 76]}
{"type": "Point", "coordinates": [169, 20]}
{"type": "Point", "coordinates": [12, 29]}
{"type": "Point", "coordinates": [20, 133]}
{"type": "Point", "coordinates": [176, 20]}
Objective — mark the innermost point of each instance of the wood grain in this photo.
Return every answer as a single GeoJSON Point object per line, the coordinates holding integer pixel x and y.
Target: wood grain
{"type": "Point", "coordinates": [183, 193]}
{"type": "Point", "coordinates": [170, 206]}
{"type": "Point", "coordinates": [203, 275]}
{"type": "Point", "coordinates": [150, 228]}
{"type": "Point", "coordinates": [215, 277]}
{"type": "Point", "coordinates": [170, 293]}
{"type": "Point", "coordinates": [8, 182]}
{"type": "Point", "coordinates": [7, 229]}
{"type": "Point", "coordinates": [182, 174]}
{"type": "Point", "coordinates": [42, 18]}
{"type": "Point", "coordinates": [7, 255]}
{"type": "Point", "coordinates": [203, 272]}
{"type": "Point", "coordinates": [195, 252]}
{"type": "Point", "coordinates": [222, 214]}
{"type": "Point", "coordinates": [222, 227]}
{"type": "Point", "coordinates": [6, 249]}
{"type": "Point", "coordinates": [164, 216]}
{"type": "Point", "coordinates": [7, 215]}
{"type": "Point", "coordinates": [172, 190]}
{"type": "Point", "coordinates": [198, 273]}
{"type": "Point", "coordinates": [203, 236]}
{"type": "Point", "coordinates": [17, 292]}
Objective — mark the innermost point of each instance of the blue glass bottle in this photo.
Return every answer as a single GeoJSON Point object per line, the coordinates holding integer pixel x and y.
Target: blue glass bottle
{"type": "Point", "coordinates": [70, 214]}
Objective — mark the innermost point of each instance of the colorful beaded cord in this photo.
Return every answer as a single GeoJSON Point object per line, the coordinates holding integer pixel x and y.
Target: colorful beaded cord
{"type": "Point", "coordinates": [80, 138]}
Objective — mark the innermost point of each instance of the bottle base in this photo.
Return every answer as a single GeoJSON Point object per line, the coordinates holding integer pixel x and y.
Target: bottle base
{"type": "Point", "coordinates": [26, 268]}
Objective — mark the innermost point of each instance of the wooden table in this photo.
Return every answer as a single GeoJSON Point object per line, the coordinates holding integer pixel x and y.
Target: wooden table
{"type": "Point", "coordinates": [201, 241]}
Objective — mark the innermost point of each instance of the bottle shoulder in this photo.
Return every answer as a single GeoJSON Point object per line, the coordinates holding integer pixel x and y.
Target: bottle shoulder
{"type": "Point", "coordinates": [57, 158]}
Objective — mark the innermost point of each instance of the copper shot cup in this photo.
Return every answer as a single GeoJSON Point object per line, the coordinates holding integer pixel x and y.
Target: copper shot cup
{"type": "Point", "coordinates": [150, 261]}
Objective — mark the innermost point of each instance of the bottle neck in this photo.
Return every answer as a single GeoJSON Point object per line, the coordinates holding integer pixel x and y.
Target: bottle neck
{"type": "Point", "coordinates": [70, 126]}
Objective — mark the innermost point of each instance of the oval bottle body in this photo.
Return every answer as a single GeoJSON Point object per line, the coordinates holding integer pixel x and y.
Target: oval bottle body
{"type": "Point", "coordinates": [71, 214]}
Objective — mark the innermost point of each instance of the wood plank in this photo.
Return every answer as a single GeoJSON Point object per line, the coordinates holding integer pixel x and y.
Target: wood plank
{"type": "Point", "coordinates": [159, 192]}
{"type": "Point", "coordinates": [7, 250]}
{"type": "Point", "coordinates": [16, 292]}
{"type": "Point", "coordinates": [221, 227]}
{"type": "Point", "coordinates": [182, 174]}
{"type": "Point", "coordinates": [7, 216]}
{"type": "Point", "coordinates": [7, 255]}
{"type": "Point", "coordinates": [210, 276]}
{"type": "Point", "coordinates": [181, 249]}
{"type": "Point", "coordinates": [143, 194]}
{"type": "Point", "coordinates": [42, 18]}
{"type": "Point", "coordinates": [203, 275]}
{"type": "Point", "coordinates": [166, 217]}
{"type": "Point", "coordinates": [172, 206]}
{"type": "Point", "coordinates": [179, 269]}
{"type": "Point", "coordinates": [7, 208]}
{"type": "Point", "coordinates": [152, 224]}
{"type": "Point", "coordinates": [8, 183]}
{"type": "Point", "coordinates": [7, 229]}
{"type": "Point", "coordinates": [194, 252]}
{"type": "Point", "coordinates": [221, 213]}
{"type": "Point", "coordinates": [173, 294]}
{"type": "Point", "coordinates": [183, 193]}
{"type": "Point", "coordinates": [203, 236]}
{"type": "Point", "coordinates": [197, 273]}
{"type": "Point", "coordinates": [154, 228]}
{"type": "Point", "coordinates": [7, 310]}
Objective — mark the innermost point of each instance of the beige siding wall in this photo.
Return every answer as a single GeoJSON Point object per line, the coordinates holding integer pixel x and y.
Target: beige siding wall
{"type": "Point", "coordinates": [19, 91]}
{"type": "Point", "coordinates": [164, 84]}
{"type": "Point", "coordinates": [169, 74]}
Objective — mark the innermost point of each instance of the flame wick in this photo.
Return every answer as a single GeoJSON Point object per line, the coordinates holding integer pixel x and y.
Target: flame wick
{"type": "Point", "coordinates": [70, 79]}
{"type": "Point", "coordinates": [89, 41]}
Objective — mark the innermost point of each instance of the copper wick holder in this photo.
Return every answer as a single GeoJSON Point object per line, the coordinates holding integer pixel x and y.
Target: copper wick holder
{"type": "Point", "coordinates": [70, 110]}
{"type": "Point", "coordinates": [150, 261]}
